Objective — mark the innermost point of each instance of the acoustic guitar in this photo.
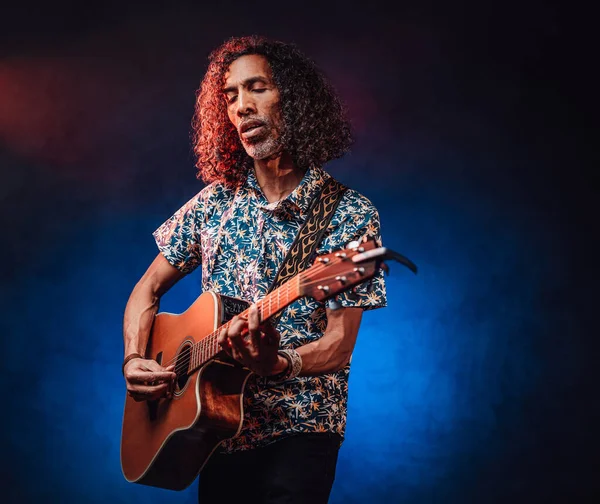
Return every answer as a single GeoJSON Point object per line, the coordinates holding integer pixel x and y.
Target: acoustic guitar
{"type": "Point", "coordinates": [166, 442]}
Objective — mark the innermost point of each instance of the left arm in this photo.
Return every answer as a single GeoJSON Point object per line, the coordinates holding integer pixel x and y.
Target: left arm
{"type": "Point", "coordinates": [333, 350]}
{"type": "Point", "coordinates": [256, 345]}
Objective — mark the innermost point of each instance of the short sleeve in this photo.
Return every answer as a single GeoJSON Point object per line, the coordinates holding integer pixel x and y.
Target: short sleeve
{"type": "Point", "coordinates": [178, 239]}
{"type": "Point", "coordinates": [355, 218]}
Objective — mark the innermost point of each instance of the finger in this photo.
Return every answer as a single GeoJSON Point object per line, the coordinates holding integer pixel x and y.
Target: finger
{"type": "Point", "coordinates": [267, 339]}
{"type": "Point", "coordinates": [236, 328]}
{"type": "Point", "coordinates": [239, 349]}
{"type": "Point", "coordinates": [253, 318]}
{"type": "Point", "coordinates": [224, 341]}
{"type": "Point", "coordinates": [236, 335]}
{"type": "Point", "coordinates": [150, 365]}
{"type": "Point", "coordinates": [240, 352]}
{"type": "Point", "coordinates": [237, 355]}
{"type": "Point", "coordinates": [253, 327]}
{"type": "Point", "coordinates": [157, 377]}
{"type": "Point", "coordinates": [153, 366]}
{"type": "Point", "coordinates": [223, 334]}
{"type": "Point", "coordinates": [148, 392]}
{"type": "Point", "coordinates": [270, 335]}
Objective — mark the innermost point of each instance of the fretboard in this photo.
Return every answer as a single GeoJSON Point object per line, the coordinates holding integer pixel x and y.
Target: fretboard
{"type": "Point", "coordinates": [208, 347]}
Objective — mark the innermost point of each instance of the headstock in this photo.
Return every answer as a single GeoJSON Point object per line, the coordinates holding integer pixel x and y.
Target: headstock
{"type": "Point", "coordinates": [343, 269]}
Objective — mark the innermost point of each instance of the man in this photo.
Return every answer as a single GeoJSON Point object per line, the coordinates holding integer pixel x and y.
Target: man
{"type": "Point", "coordinates": [266, 121]}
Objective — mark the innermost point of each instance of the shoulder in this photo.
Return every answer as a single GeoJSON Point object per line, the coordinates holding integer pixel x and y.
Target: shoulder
{"type": "Point", "coordinates": [353, 198]}
{"type": "Point", "coordinates": [215, 191]}
{"type": "Point", "coordinates": [356, 208]}
{"type": "Point", "coordinates": [213, 198]}
{"type": "Point", "coordinates": [355, 217]}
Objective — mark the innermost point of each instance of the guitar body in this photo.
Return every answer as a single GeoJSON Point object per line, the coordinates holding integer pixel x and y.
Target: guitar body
{"type": "Point", "coordinates": [165, 443]}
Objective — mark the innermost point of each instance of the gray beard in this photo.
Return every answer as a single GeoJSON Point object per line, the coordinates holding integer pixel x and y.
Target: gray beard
{"type": "Point", "coordinates": [263, 148]}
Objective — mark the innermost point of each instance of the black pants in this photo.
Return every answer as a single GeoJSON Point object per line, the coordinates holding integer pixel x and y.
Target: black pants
{"type": "Point", "coordinates": [295, 470]}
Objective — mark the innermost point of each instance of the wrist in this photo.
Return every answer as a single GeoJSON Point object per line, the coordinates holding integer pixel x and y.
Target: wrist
{"type": "Point", "coordinates": [130, 357]}
{"type": "Point", "coordinates": [292, 368]}
{"type": "Point", "coordinates": [281, 366]}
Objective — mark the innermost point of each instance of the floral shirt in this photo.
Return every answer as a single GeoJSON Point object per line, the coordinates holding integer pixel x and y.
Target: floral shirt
{"type": "Point", "coordinates": [240, 239]}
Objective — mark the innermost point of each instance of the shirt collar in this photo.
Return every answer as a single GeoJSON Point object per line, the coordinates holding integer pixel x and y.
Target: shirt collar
{"type": "Point", "coordinates": [299, 199]}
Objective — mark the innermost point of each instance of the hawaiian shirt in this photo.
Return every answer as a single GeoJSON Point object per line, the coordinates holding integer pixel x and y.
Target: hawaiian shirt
{"type": "Point", "coordinates": [240, 239]}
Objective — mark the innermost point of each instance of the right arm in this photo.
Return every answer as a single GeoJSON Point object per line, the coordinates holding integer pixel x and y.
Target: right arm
{"type": "Point", "coordinates": [145, 378]}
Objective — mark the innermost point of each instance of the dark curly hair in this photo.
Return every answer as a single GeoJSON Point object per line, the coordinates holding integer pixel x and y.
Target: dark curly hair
{"type": "Point", "coordinates": [316, 128]}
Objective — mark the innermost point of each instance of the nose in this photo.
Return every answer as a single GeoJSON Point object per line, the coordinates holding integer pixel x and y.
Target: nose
{"type": "Point", "coordinates": [245, 104]}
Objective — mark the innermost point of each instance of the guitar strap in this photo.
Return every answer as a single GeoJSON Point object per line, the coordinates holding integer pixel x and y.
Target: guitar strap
{"type": "Point", "coordinates": [302, 251]}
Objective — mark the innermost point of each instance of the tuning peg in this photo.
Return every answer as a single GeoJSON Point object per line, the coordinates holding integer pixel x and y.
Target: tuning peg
{"type": "Point", "coordinates": [356, 246]}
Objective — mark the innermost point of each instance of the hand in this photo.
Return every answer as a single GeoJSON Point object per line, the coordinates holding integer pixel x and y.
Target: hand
{"type": "Point", "coordinates": [147, 380]}
{"type": "Point", "coordinates": [253, 344]}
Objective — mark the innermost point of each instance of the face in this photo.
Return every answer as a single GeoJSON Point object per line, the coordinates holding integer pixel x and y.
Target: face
{"type": "Point", "coordinates": [253, 105]}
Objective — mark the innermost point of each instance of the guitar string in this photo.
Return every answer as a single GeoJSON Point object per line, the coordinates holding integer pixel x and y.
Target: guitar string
{"type": "Point", "coordinates": [182, 365]}
{"type": "Point", "coordinates": [209, 340]}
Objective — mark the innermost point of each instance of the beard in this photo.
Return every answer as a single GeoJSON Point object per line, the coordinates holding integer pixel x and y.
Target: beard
{"type": "Point", "coordinates": [266, 144]}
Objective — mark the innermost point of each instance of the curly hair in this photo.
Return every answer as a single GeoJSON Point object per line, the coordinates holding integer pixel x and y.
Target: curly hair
{"type": "Point", "coordinates": [316, 129]}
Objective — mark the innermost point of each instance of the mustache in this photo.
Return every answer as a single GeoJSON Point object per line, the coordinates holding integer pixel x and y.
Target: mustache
{"type": "Point", "coordinates": [252, 123]}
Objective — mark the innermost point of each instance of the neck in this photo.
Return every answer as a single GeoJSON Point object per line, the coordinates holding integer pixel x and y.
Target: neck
{"type": "Point", "coordinates": [277, 176]}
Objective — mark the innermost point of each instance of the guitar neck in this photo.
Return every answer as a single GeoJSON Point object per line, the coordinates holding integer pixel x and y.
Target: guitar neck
{"type": "Point", "coordinates": [272, 303]}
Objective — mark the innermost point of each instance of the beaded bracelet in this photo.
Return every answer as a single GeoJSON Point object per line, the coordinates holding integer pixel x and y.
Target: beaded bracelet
{"type": "Point", "coordinates": [294, 366]}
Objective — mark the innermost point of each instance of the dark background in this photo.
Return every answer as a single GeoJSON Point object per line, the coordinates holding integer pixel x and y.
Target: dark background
{"type": "Point", "coordinates": [475, 126]}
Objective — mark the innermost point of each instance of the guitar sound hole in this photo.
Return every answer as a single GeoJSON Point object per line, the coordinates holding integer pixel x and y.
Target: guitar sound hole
{"type": "Point", "coordinates": [182, 368]}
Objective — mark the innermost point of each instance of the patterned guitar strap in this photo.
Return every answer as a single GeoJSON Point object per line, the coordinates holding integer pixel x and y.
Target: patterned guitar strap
{"type": "Point", "coordinates": [302, 251]}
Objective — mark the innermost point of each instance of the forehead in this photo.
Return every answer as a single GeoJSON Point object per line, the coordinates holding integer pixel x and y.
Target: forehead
{"type": "Point", "coordinates": [245, 67]}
